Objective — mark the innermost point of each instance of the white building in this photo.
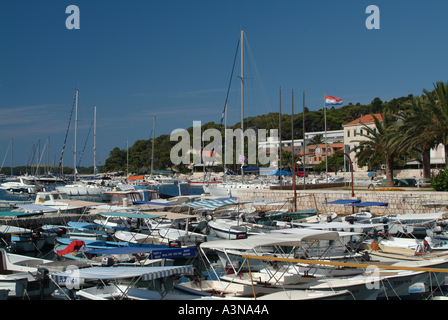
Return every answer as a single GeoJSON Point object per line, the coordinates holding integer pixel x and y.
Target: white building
{"type": "Point", "coordinates": [332, 137]}
{"type": "Point", "coordinates": [353, 129]}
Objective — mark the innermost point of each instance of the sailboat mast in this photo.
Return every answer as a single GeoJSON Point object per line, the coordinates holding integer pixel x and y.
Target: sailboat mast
{"type": "Point", "coordinates": [12, 147]}
{"type": "Point", "coordinates": [94, 141]}
{"type": "Point", "coordinates": [152, 151]}
{"type": "Point", "coordinates": [225, 143]}
{"type": "Point", "coordinates": [76, 134]}
{"type": "Point", "coordinates": [242, 101]}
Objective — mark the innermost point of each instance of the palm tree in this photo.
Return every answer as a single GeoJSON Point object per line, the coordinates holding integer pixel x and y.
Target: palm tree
{"type": "Point", "coordinates": [317, 139]}
{"type": "Point", "coordinates": [438, 101]}
{"type": "Point", "coordinates": [379, 143]}
{"type": "Point", "coordinates": [420, 130]}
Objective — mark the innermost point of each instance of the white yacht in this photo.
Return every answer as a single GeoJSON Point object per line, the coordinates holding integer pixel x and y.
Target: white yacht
{"type": "Point", "coordinates": [20, 185]}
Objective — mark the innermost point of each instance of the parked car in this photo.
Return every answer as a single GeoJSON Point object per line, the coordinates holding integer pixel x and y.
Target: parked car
{"type": "Point", "coordinates": [301, 174]}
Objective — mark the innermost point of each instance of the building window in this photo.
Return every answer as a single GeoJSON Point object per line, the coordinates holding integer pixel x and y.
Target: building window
{"type": "Point", "coordinates": [354, 132]}
{"type": "Point", "coordinates": [348, 133]}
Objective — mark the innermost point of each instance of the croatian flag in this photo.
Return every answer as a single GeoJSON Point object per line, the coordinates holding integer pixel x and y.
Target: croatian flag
{"type": "Point", "coordinates": [242, 159]}
{"type": "Point", "coordinates": [329, 100]}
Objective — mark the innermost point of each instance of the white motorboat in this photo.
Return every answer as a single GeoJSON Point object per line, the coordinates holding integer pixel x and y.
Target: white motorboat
{"type": "Point", "coordinates": [115, 274]}
{"type": "Point", "coordinates": [21, 185]}
{"type": "Point", "coordinates": [57, 200]}
{"type": "Point", "coordinates": [19, 239]}
{"type": "Point", "coordinates": [85, 189]}
{"type": "Point", "coordinates": [228, 229]}
{"type": "Point", "coordinates": [24, 276]}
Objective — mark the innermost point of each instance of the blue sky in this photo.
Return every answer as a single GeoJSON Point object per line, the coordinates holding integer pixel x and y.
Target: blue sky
{"type": "Point", "coordinates": [139, 58]}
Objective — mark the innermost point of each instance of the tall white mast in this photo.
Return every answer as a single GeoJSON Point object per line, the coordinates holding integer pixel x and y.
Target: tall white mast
{"type": "Point", "coordinates": [94, 141]}
{"type": "Point", "coordinates": [76, 134]}
{"type": "Point", "coordinates": [242, 100]}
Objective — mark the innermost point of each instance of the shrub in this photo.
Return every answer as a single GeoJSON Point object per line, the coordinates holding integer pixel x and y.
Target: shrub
{"type": "Point", "coordinates": [439, 181]}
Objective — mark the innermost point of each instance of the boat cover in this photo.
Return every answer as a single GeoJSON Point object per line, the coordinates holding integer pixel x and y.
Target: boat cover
{"type": "Point", "coordinates": [19, 214]}
{"type": "Point", "coordinates": [420, 216]}
{"type": "Point", "coordinates": [272, 239]}
{"type": "Point", "coordinates": [368, 204]}
{"type": "Point", "coordinates": [343, 201]}
{"type": "Point", "coordinates": [74, 245]}
{"type": "Point", "coordinates": [210, 204]}
{"type": "Point", "coordinates": [36, 207]}
{"type": "Point", "coordinates": [112, 273]}
{"type": "Point", "coordinates": [339, 225]}
{"type": "Point", "coordinates": [131, 215]}
{"type": "Point", "coordinates": [163, 204]}
{"type": "Point", "coordinates": [154, 253]}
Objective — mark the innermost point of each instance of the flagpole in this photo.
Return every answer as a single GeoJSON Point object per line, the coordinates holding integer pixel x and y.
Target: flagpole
{"type": "Point", "coordinates": [280, 131]}
{"type": "Point", "coordinates": [326, 153]}
{"type": "Point", "coordinates": [304, 145]}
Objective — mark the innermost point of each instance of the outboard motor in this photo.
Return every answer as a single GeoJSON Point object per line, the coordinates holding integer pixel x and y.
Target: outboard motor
{"type": "Point", "coordinates": [350, 220]}
{"type": "Point", "coordinates": [107, 262]}
{"type": "Point", "coordinates": [200, 240]}
{"type": "Point", "coordinates": [61, 232]}
{"type": "Point", "coordinates": [174, 244]}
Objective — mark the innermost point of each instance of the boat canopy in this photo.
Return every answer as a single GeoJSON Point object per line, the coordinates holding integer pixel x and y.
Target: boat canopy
{"type": "Point", "coordinates": [211, 204]}
{"type": "Point", "coordinates": [153, 253]}
{"type": "Point", "coordinates": [109, 207]}
{"type": "Point", "coordinates": [368, 204]}
{"type": "Point", "coordinates": [420, 216]}
{"type": "Point", "coordinates": [131, 215]}
{"type": "Point", "coordinates": [133, 178]}
{"type": "Point", "coordinates": [146, 273]}
{"type": "Point", "coordinates": [82, 203]}
{"type": "Point", "coordinates": [340, 225]}
{"type": "Point", "coordinates": [273, 239]}
{"type": "Point", "coordinates": [343, 201]}
{"type": "Point", "coordinates": [36, 207]}
{"type": "Point", "coordinates": [19, 214]}
{"type": "Point", "coordinates": [155, 203]}
{"type": "Point", "coordinates": [276, 173]}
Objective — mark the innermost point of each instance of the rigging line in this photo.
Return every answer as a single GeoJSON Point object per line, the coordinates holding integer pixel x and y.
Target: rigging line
{"type": "Point", "coordinates": [85, 144]}
{"type": "Point", "coordinates": [66, 135]}
{"type": "Point", "coordinates": [225, 103]}
{"type": "Point", "coordinates": [258, 77]}
{"type": "Point", "coordinates": [5, 155]}
{"type": "Point", "coordinates": [29, 158]}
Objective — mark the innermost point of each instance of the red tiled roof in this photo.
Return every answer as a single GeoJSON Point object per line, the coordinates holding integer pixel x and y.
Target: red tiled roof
{"type": "Point", "coordinates": [366, 119]}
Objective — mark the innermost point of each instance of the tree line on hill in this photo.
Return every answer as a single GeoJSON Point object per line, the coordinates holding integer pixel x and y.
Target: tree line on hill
{"type": "Point", "coordinates": [140, 152]}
